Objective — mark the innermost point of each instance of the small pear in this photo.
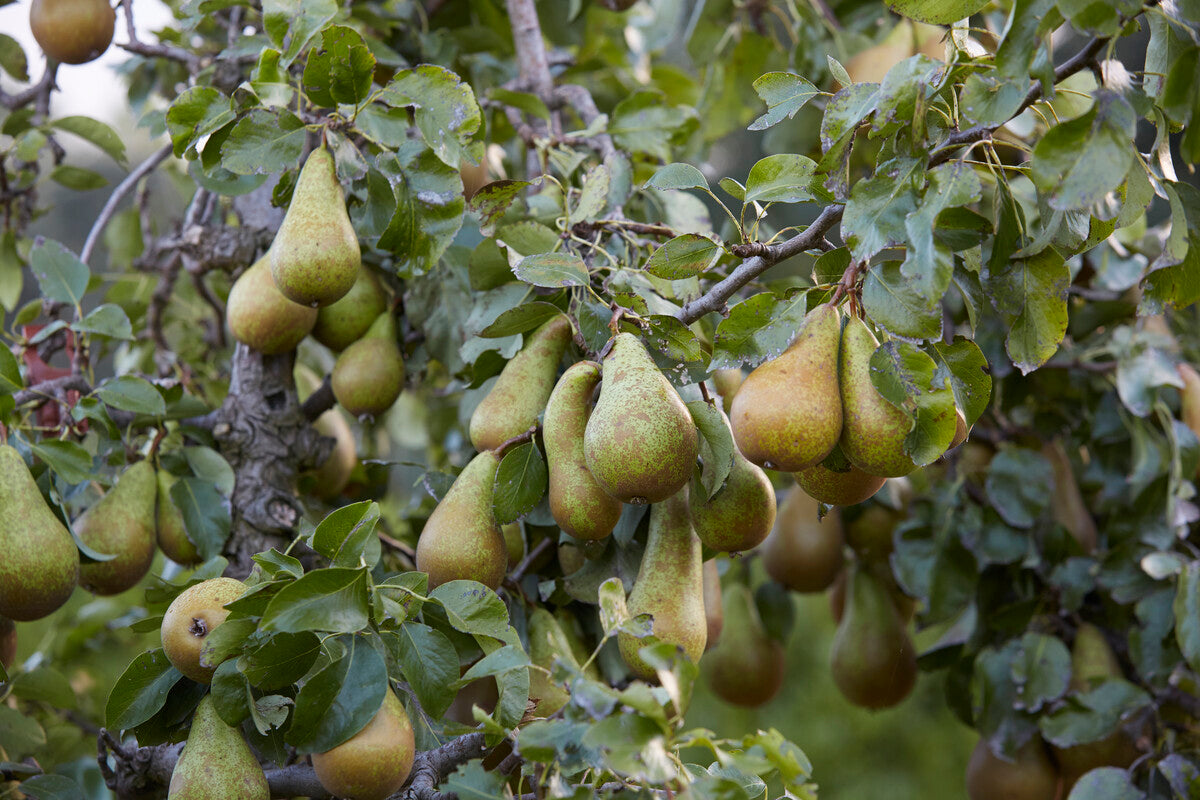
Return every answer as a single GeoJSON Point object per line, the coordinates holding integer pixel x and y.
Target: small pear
{"type": "Point", "coordinates": [72, 31]}
{"type": "Point", "coordinates": [315, 256]}
{"type": "Point", "coordinates": [261, 317]}
{"type": "Point", "coordinates": [874, 430]}
{"type": "Point", "coordinates": [514, 543]}
{"type": "Point", "coordinates": [40, 564]}
{"type": "Point", "coordinates": [123, 522]}
{"type": "Point", "coordinates": [344, 322]}
{"type": "Point", "coordinates": [520, 392]}
{"type": "Point", "coordinates": [190, 618]}
{"type": "Point", "coordinates": [547, 642]}
{"type": "Point", "coordinates": [171, 534]}
{"type": "Point", "coordinates": [742, 512]}
{"type": "Point", "coordinates": [570, 557]}
{"type": "Point", "coordinates": [714, 609]}
{"type": "Point", "coordinates": [728, 381]}
{"type": "Point", "coordinates": [461, 539]}
{"type": "Point", "coordinates": [905, 605]}
{"type": "Point", "coordinates": [216, 762]}
{"type": "Point", "coordinates": [873, 661]}
{"type": "Point", "coordinates": [870, 533]}
{"type": "Point", "coordinates": [579, 505]}
{"type": "Point", "coordinates": [669, 586]}
{"type": "Point", "coordinates": [640, 442]}
{"type": "Point", "coordinates": [804, 553]}
{"type": "Point", "coordinates": [329, 479]}
{"type": "Point", "coordinates": [845, 485]}
{"type": "Point", "coordinates": [8, 642]}
{"type": "Point", "coordinates": [788, 414]}
{"type": "Point", "coordinates": [1092, 658]}
{"type": "Point", "coordinates": [375, 762]}
{"type": "Point", "coordinates": [369, 374]}
{"type": "Point", "coordinates": [1189, 398]}
{"type": "Point", "coordinates": [746, 667]}
{"type": "Point", "coordinates": [1068, 505]}
{"type": "Point", "coordinates": [1031, 776]}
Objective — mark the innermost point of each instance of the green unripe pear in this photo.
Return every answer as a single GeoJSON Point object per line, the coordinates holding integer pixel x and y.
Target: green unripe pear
{"type": "Point", "coordinates": [345, 321]}
{"type": "Point", "coordinates": [375, 762]}
{"type": "Point", "coordinates": [514, 543]}
{"type": "Point", "coordinates": [122, 522]}
{"type": "Point", "coordinates": [1030, 776]}
{"type": "Point", "coordinates": [216, 762]}
{"type": "Point", "coordinates": [72, 31]}
{"type": "Point", "coordinates": [873, 661]}
{"type": "Point", "coordinates": [261, 317]}
{"type": "Point", "coordinates": [461, 539]}
{"type": "Point", "coordinates": [874, 430]}
{"type": "Point", "coordinates": [369, 374]}
{"type": "Point", "coordinates": [171, 534]}
{"type": "Point", "coordinates": [804, 553]}
{"type": "Point", "coordinates": [870, 533]}
{"type": "Point", "coordinates": [742, 512]}
{"type": "Point", "coordinates": [746, 667]}
{"type": "Point", "coordinates": [190, 618]}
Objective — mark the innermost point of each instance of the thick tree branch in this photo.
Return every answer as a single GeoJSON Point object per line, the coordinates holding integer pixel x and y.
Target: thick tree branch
{"type": "Point", "coordinates": [43, 87]}
{"type": "Point", "coordinates": [532, 61]}
{"type": "Point", "coordinates": [123, 189]}
{"type": "Point", "coordinates": [319, 401]}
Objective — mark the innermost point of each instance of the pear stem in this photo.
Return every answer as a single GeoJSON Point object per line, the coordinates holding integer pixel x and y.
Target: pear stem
{"type": "Point", "coordinates": [519, 439]}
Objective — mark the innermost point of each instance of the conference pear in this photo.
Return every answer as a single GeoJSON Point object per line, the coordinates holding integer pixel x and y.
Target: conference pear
{"type": "Point", "coordinates": [343, 322]}
{"type": "Point", "coordinates": [1030, 776]}
{"type": "Point", "coordinates": [740, 515]}
{"type": "Point", "coordinates": [122, 522]}
{"type": "Point", "coordinates": [1189, 398]}
{"type": "Point", "coordinates": [40, 564]}
{"type": "Point", "coordinates": [329, 479]}
{"type": "Point", "coordinates": [261, 317]}
{"type": "Point", "coordinates": [746, 667]}
{"type": "Point", "coordinates": [369, 374]}
{"type": "Point", "coordinates": [728, 381]}
{"type": "Point", "coordinates": [8, 642]}
{"type": "Point", "coordinates": [190, 618]}
{"type": "Point", "coordinates": [874, 430]}
{"type": "Point", "coordinates": [804, 553]}
{"type": "Point", "coordinates": [579, 505]}
{"type": "Point", "coordinates": [547, 642]}
{"type": "Point", "coordinates": [640, 442]}
{"type": "Point", "coordinates": [171, 534]}
{"type": "Point", "coordinates": [520, 392]}
{"type": "Point", "coordinates": [1068, 504]}
{"type": "Point", "coordinates": [216, 762]}
{"type": "Point", "coordinates": [714, 609]}
{"type": "Point", "coordinates": [461, 539]}
{"type": "Point", "coordinates": [788, 414]}
{"type": "Point", "coordinates": [315, 256]}
{"type": "Point", "coordinates": [72, 31]}
{"type": "Point", "coordinates": [375, 762]}
{"type": "Point", "coordinates": [669, 586]}
{"type": "Point", "coordinates": [873, 661]}
{"type": "Point", "coordinates": [905, 605]}
{"type": "Point", "coordinates": [835, 488]}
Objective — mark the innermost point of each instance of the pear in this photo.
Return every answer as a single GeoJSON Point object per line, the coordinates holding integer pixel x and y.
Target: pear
{"type": "Point", "coordinates": [329, 479]}
{"type": "Point", "coordinates": [804, 553]}
{"type": "Point", "coordinates": [640, 442]}
{"type": "Point", "coordinates": [344, 322]}
{"type": "Point", "coordinates": [40, 564]}
{"type": "Point", "coordinates": [8, 642]}
{"type": "Point", "coordinates": [123, 522]}
{"type": "Point", "coordinates": [788, 414]}
{"type": "Point", "coordinates": [714, 609]}
{"type": "Point", "coordinates": [570, 557]}
{"type": "Point", "coordinates": [874, 430]}
{"type": "Point", "coordinates": [520, 392]}
{"type": "Point", "coordinates": [905, 605]}
{"type": "Point", "coordinates": [190, 618]}
{"type": "Point", "coordinates": [547, 641]}
{"type": "Point", "coordinates": [746, 667]}
{"type": "Point", "coordinates": [514, 543]}
{"type": "Point", "coordinates": [870, 533]}
{"type": "Point", "coordinates": [375, 762]}
{"type": "Point", "coordinates": [873, 661]}
{"type": "Point", "coordinates": [579, 505]}
{"type": "Point", "coordinates": [740, 515]}
{"type": "Point", "coordinates": [461, 539]}
{"type": "Point", "coordinates": [369, 374]}
{"type": "Point", "coordinates": [170, 532]}
{"type": "Point", "coordinates": [1189, 398]}
{"type": "Point", "coordinates": [838, 488]}
{"type": "Point", "coordinates": [261, 317]}
{"type": "Point", "coordinates": [728, 381]}
{"type": "Point", "coordinates": [1031, 776]}
{"type": "Point", "coordinates": [1068, 505]}
{"type": "Point", "coordinates": [216, 762]}
{"type": "Point", "coordinates": [669, 585]}
{"type": "Point", "coordinates": [72, 31]}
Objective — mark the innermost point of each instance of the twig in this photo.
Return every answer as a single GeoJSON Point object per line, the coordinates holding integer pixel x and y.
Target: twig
{"type": "Point", "coordinates": [537, 552]}
{"type": "Point", "coordinates": [168, 51]}
{"type": "Point", "coordinates": [123, 189]}
{"type": "Point", "coordinates": [520, 438]}
{"type": "Point", "coordinates": [21, 99]}
{"type": "Point", "coordinates": [319, 401]}
{"type": "Point", "coordinates": [531, 48]}
{"type": "Point", "coordinates": [51, 389]}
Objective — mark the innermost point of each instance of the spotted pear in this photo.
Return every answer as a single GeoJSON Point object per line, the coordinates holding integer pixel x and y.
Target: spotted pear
{"type": "Point", "coordinates": [375, 762]}
{"type": "Point", "coordinates": [837, 482]}
{"type": "Point", "coordinates": [742, 512]}
{"type": "Point", "coordinates": [72, 31]}
{"type": "Point", "coordinates": [261, 317]}
{"type": "Point", "coordinates": [123, 522]}
{"type": "Point", "coordinates": [804, 553]}
{"type": "Point", "coordinates": [216, 762]}
{"type": "Point", "coordinates": [746, 667]}
{"type": "Point", "coordinates": [171, 534]}
{"type": "Point", "coordinates": [1029, 775]}
{"type": "Point", "coordinates": [547, 642]}
{"type": "Point", "coordinates": [461, 539]}
{"type": "Point", "coordinates": [714, 608]}
{"type": "Point", "coordinates": [873, 661]}
{"type": "Point", "coordinates": [369, 374]}
{"type": "Point", "coordinates": [344, 322]}
{"type": "Point", "coordinates": [874, 430]}
{"type": "Point", "coordinates": [190, 618]}
{"type": "Point", "coordinates": [870, 533]}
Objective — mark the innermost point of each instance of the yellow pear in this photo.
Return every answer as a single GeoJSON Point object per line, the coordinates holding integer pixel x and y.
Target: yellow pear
{"type": "Point", "coordinates": [375, 762]}
{"type": "Point", "coordinates": [190, 618]}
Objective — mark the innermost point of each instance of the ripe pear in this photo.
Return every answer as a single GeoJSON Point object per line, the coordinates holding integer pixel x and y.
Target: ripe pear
{"type": "Point", "coordinates": [72, 31]}
{"type": "Point", "coordinates": [874, 429]}
{"type": "Point", "coordinates": [461, 539]}
{"type": "Point", "coordinates": [804, 553]}
{"type": "Point", "coordinates": [1189, 398]}
{"type": "Point", "coordinates": [547, 641]}
{"type": "Point", "coordinates": [520, 392]}
{"type": "Point", "coordinates": [123, 522]}
{"type": "Point", "coordinates": [171, 534]}
{"type": "Point", "coordinates": [329, 479]}
{"type": "Point", "coordinates": [746, 667]}
{"type": "Point", "coordinates": [873, 661]}
{"type": "Point", "coordinates": [838, 488]}
{"type": "Point", "coordinates": [669, 585]}
{"type": "Point", "coordinates": [740, 515]}
{"type": "Point", "coordinates": [579, 505]}
{"type": "Point", "coordinates": [1068, 504]}
{"type": "Point", "coordinates": [344, 322]}
{"type": "Point", "coordinates": [261, 317]}
{"type": "Point", "coordinates": [1031, 776]}
{"type": "Point", "coordinates": [788, 414]}
{"type": "Point", "coordinates": [728, 381]}
{"type": "Point", "coordinates": [369, 374]}
{"type": "Point", "coordinates": [8, 642]}
{"type": "Point", "coordinates": [375, 762]}
{"type": "Point", "coordinates": [190, 618]}
{"type": "Point", "coordinates": [714, 609]}
{"type": "Point", "coordinates": [40, 564]}
{"type": "Point", "coordinates": [216, 762]}
{"type": "Point", "coordinates": [315, 256]}
{"type": "Point", "coordinates": [640, 442]}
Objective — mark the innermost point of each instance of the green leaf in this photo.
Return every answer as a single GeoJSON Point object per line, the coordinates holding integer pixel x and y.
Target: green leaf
{"type": "Point", "coordinates": [1041, 671]}
{"type": "Point", "coordinates": [1079, 161]}
{"type": "Point", "coordinates": [875, 214]}
{"type": "Point", "coordinates": [552, 270]}
{"type": "Point", "coordinates": [470, 781]}
{"type": "Point", "coordinates": [613, 611]}
{"type": "Point", "coordinates": [96, 132]}
{"type": "Point", "coordinates": [13, 59]}
{"type": "Point", "coordinates": [522, 319]}
{"type": "Point", "coordinates": [281, 660]}
{"type": "Point", "coordinates": [340, 700]}
{"type": "Point", "coordinates": [206, 514]}
{"type": "Point", "coordinates": [950, 185]}
{"type": "Point", "coordinates": [12, 271]}
{"type": "Point", "coordinates": [784, 94]}
{"type": "Point", "coordinates": [108, 320]}
{"type": "Point", "coordinates": [1018, 485]}
{"type": "Point", "coordinates": [130, 393]}
{"type": "Point", "coordinates": [757, 329]}
{"type": "Point", "coordinates": [716, 445]}
{"type": "Point", "coordinates": [45, 685]}
{"type": "Point", "coordinates": [677, 176]}
{"type": "Point", "coordinates": [593, 199]}
{"type": "Point", "coordinates": [910, 380]}
{"type": "Point", "coordinates": [263, 142]}
{"type": "Point", "coordinates": [1031, 296]}
{"type": "Point", "coordinates": [520, 482]}
{"type": "Point", "coordinates": [10, 373]}
{"type": "Point", "coordinates": [1187, 613]}
{"type": "Point", "coordinates": [51, 787]}
{"type": "Point", "coordinates": [345, 536]}
{"type": "Point", "coordinates": [1094, 714]}
{"type": "Point", "coordinates": [894, 304]}
{"type": "Point", "coordinates": [68, 459]}
{"type": "Point", "coordinates": [444, 108]}
{"type": "Point", "coordinates": [473, 608]}
{"type": "Point", "coordinates": [1105, 783]}
{"type": "Point", "coordinates": [332, 599]}
{"type": "Point", "coordinates": [61, 275]}
{"type": "Point", "coordinates": [428, 206]}
{"type": "Point", "coordinates": [340, 69]}
{"type": "Point", "coordinates": [196, 113]}
{"type": "Point", "coordinates": [643, 122]}
{"type": "Point", "coordinates": [669, 336]}
{"type": "Point", "coordinates": [77, 178]}
{"type": "Point", "coordinates": [295, 22]}
{"type": "Point", "coordinates": [526, 101]}
{"type": "Point", "coordinates": [140, 691]}
{"type": "Point", "coordinates": [968, 373]}
{"type": "Point", "coordinates": [684, 256]}
{"type": "Point", "coordinates": [429, 663]}
{"type": "Point", "coordinates": [936, 12]}
{"type": "Point", "coordinates": [493, 200]}
{"type": "Point", "coordinates": [781, 178]}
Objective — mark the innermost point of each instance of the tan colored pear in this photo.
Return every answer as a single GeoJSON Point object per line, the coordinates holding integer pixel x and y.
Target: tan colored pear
{"type": "Point", "coordinates": [873, 661]}
{"type": "Point", "coordinates": [216, 762]}
{"type": "Point", "coordinates": [1068, 504]}
{"type": "Point", "coordinates": [344, 322]}
{"type": "Point", "coordinates": [461, 539]}
{"type": "Point", "coordinates": [171, 534]}
{"type": "Point", "coordinates": [874, 430]}
{"type": "Point", "coordinates": [836, 488]}
{"type": "Point", "coordinates": [1030, 776]}
{"type": "Point", "coordinates": [369, 374]}
{"type": "Point", "coordinates": [804, 553]}
{"type": "Point", "coordinates": [375, 762]}
{"type": "Point", "coordinates": [72, 31]}
{"type": "Point", "coordinates": [746, 668]}
{"type": "Point", "coordinates": [261, 317]}
{"type": "Point", "coordinates": [190, 618]}
{"type": "Point", "coordinates": [742, 512]}
{"type": "Point", "coordinates": [123, 522]}
{"type": "Point", "coordinates": [714, 608]}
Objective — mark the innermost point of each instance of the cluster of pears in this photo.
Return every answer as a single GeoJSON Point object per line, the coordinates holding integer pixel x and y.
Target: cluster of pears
{"type": "Point", "coordinates": [72, 31]}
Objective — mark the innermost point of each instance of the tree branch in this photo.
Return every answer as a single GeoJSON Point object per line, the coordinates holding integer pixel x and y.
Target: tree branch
{"type": "Point", "coordinates": [123, 189]}
{"type": "Point", "coordinates": [43, 87]}
{"type": "Point", "coordinates": [532, 61]}
{"type": "Point", "coordinates": [319, 401]}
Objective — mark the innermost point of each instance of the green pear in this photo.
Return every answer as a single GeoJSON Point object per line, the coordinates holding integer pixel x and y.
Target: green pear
{"type": "Point", "coordinates": [640, 442]}
{"type": "Point", "coordinates": [72, 31]}
{"type": "Point", "coordinates": [905, 605]}
{"type": "Point", "coordinates": [742, 512]}
{"type": "Point", "coordinates": [40, 564]}
{"type": "Point", "coordinates": [216, 762]}
{"type": "Point", "coordinates": [514, 543]}
{"type": "Point", "coordinates": [315, 256]}
{"type": "Point", "coordinates": [714, 609]}
{"type": "Point", "coordinates": [547, 642]}
{"type": "Point", "coordinates": [1030, 775]}
{"type": "Point", "coordinates": [261, 317]}
{"type": "Point", "coordinates": [8, 642]}
{"type": "Point", "coordinates": [788, 414]}
{"type": "Point", "coordinates": [579, 505]}
{"type": "Point", "coordinates": [873, 661]}
{"type": "Point", "coordinates": [329, 479]}
{"type": "Point", "coordinates": [369, 374]}
{"type": "Point", "coordinates": [843, 485]}
{"type": "Point", "coordinates": [190, 618]}
{"type": "Point", "coordinates": [1092, 658]}
{"type": "Point", "coordinates": [746, 667]}
{"type": "Point", "coordinates": [123, 522]}
{"type": "Point", "coordinates": [870, 533]}
{"type": "Point", "coordinates": [171, 534]}
{"type": "Point", "coordinates": [1070, 509]}
{"type": "Point", "coordinates": [375, 762]}
{"type": "Point", "coordinates": [520, 393]}
{"type": "Point", "coordinates": [874, 430]}
{"type": "Point", "coordinates": [669, 585]}
{"type": "Point", "coordinates": [728, 381]}
{"type": "Point", "coordinates": [344, 322]}
{"type": "Point", "coordinates": [804, 552]}
{"type": "Point", "coordinates": [461, 539]}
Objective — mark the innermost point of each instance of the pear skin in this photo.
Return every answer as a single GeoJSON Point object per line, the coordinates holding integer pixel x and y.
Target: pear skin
{"type": "Point", "coordinates": [216, 762]}
{"type": "Point", "coordinates": [261, 317]}
{"type": "Point", "coordinates": [461, 539]}
{"type": "Point", "coordinates": [171, 534]}
{"type": "Point", "coordinates": [329, 479]}
{"type": "Point", "coordinates": [579, 505]}
{"type": "Point", "coordinates": [873, 661]}
{"type": "Point", "coordinates": [905, 605]}
{"type": "Point", "coordinates": [874, 430]}
{"type": "Point", "coordinates": [1189, 398]}
{"type": "Point", "coordinates": [40, 566]}
{"type": "Point", "coordinates": [742, 512]}
{"type": "Point", "coordinates": [344, 322]}
{"type": "Point", "coordinates": [640, 442]}
{"type": "Point", "coordinates": [8, 642]}
{"type": "Point", "coordinates": [1031, 776]}
{"type": "Point", "coordinates": [315, 256]}
{"type": "Point", "coordinates": [190, 618]}
{"type": "Point", "coordinates": [788, 413]}
{"type": "Point", "coordinates": [375, 762]}
{"type": "Point", "coordinates": [804, 553]}
{"type": "Point", "coordinates": [520, 393]}
{"type": "Point", "coordinates": [870, 533]}
{"type": "Point", "coordinates": [547, 641]}
{"type": "Point", "coordinates": [728, 381]}
{"type": "Point", "coordinates": [369, 375]}
{"type": "Point", "coordinates": [714, 609]}
{"type": "Point", "coordinates": [72, 31]}
{"type": "Point", "coordinates": [123, 522]}
{"type": "Point", "coordinates": [1092, 658]}
{"type": "Point", "coordinates": [746, 667]}
{"type": "Point", "coordinates": [514, 543]}
{"type": "Point", "coordinates": [570, 557]}
{"type": "Point", "coordinates": [1068, 504]}
{"type": "Point", "coordinates": [838, 488]}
